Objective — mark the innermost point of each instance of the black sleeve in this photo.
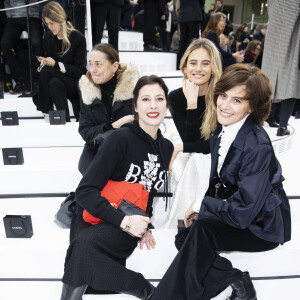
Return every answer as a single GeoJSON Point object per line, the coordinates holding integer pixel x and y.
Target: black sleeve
{"type": "Point", "coordinates": [104, 167]}
{"type": "Point", "coordinates": [88, 129]}
{"type": "Point", "coordinates": [198, 146]}
{"type": "Point", "coordinates": [78, 46]}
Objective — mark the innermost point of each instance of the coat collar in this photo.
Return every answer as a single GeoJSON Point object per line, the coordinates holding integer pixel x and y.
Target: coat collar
{"type": "Point", "coordinates": [238, 143]}
{"type": "Point", "coordinates": [124, 89]}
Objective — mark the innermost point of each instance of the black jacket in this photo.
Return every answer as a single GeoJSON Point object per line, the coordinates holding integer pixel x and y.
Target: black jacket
{"type": "Point", "coordinates": [75, 59]}
{"type": "Point", "coordinates": [188, 122]}
{"type": "Point", "coordinates": [191, 11]}
{"type": "Point", "coordinates": [259, 202]}
{"type": "Point", "coordinates": [93, 117]}
{"type": "Point", "coordinates": [128, 154]}
{"type": "Point", "coordinates": [227, 58]}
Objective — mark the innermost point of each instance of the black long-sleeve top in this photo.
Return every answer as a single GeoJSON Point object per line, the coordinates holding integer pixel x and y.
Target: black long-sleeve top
{"type": "Point", "coordinates": [188, 122]}
{"type": "Point", "coordinates": [128, 154]}
{"type": "Point", "coordinates": [74, 60]}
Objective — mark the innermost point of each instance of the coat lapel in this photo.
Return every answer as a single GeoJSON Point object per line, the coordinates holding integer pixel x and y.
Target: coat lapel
{"type": "Point", "coordinates": [214, 149]}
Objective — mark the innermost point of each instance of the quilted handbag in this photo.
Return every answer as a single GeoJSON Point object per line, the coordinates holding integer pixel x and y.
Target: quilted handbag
{"type": "Point", "coordinates": [115, 192]}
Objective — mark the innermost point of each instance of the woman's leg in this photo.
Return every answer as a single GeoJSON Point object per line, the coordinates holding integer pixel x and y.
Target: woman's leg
{"type": "Point", "coordinates": [96, 257]}
{"type": "Point", "coordinates": [198, 272]}
{"type": "Point", "coordinates": [286, 110]}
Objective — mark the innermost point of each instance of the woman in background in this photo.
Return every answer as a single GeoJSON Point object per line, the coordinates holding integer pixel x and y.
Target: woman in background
{"type": "Point", "coordinates": [63, 65]}
{"type": "Point", "coordinates": [213, 30]}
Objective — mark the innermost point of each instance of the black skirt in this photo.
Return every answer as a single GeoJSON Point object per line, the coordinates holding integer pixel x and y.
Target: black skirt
{"type": "Point", "coordinates": [96, 257]}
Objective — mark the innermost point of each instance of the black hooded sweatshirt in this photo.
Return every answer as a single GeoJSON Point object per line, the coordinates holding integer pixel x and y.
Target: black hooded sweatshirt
{"type": "Point", "coordinates": [128, 154]}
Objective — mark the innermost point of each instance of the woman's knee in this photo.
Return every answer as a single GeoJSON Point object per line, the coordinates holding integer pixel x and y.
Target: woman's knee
{"type": "Point", "coordinates": [55, 84]}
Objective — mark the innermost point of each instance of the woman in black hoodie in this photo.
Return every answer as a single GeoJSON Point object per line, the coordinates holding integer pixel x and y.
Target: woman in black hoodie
{"type": "Point", "coordinates": [135, 153]}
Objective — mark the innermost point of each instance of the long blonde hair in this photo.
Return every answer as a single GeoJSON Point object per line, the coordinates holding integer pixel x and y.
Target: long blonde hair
{"type": "Point", "coordinates": [55, 12]}
{"type": "Point", "coordinates": [209, 123]}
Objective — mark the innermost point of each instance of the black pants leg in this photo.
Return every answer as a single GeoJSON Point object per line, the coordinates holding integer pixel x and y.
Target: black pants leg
{"type": "Point", "coordinates": [55, 88]}
{"type": "Point", "coordinates": [79, 9]}
{"type": "Point", "coordinates": [99, 13]}
{"type": "Point", "coordinates": [188, 32]}
{"type": "Point", "coordinates": [286, 109]}
{"type": "Point", "coordinates": [113, 24]}
{"type": "Point", "coordinates": [149, 21]}
{"type": "Point", "coordinates": [198, 272]}
{"type": "Point", "coordinates": [9, 41]}
{"type": "Point", "coordinates": [96, 257]}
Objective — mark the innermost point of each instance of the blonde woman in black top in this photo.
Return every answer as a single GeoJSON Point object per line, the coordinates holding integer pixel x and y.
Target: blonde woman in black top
{"type": "Point", "coordinates": [63, 64]}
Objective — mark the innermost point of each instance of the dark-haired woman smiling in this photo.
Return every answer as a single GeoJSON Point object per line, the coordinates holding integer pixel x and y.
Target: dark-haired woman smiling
{"type": "Point", "coordinates": [245, 207]}
{"type": "Point", "coordinates": [138, 154]}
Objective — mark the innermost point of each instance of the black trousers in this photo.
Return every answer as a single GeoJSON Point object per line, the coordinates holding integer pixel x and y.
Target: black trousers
{"type": "Point", "coordinates": [96, 257]}
{"type": "Point", "coordinates": [150, 13]}
{"type": "Point", "coordinates": [111, 13]}
{"type": "Point", "coordinates": [198, 272]}
{"type": "Point", "coordinates": [56, 88]}
{"type": "Point", "coordinates": [188, 32]}
{"type": "Point", "coordinates": [10, 39]}
{"type": "Point", "coordinates": [284, 110]}
{"type": "Point", "coordinates": [79, 8]}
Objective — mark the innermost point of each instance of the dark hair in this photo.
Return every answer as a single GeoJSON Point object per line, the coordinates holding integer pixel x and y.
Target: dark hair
{"type": "Point", "coordinates": [148, 80]}
{"type": "Point", "coordinates": [111, 53]}
{"type": "Point", "coordinates": [212, 25]}
{"type": "Point", "coordinates": [251, 47]}
{"type": "Point", "coordinates": [258, 88]}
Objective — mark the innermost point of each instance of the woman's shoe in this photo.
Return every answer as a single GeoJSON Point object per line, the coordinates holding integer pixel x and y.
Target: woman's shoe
{"type": "Point", "coordinates": [282, 131]}
{"type": "Point", "coordinates": [243, 289]}
{"type": "Point", "coordinates": [72, 293]}
{"type": "Point", "coordinates": [146, 293]}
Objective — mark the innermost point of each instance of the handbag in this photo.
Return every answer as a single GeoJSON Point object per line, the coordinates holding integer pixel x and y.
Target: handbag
{"type": "Point", "coordinates": [64, 215]}
{"type": "Point", "coordinates": [115, 192]}
{"type": "Point", "coordinates": [130, 209]}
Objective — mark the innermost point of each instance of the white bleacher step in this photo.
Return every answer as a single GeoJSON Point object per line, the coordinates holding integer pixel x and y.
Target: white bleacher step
{"type": "Point", "coordinates": [128, 40]}
{"type": "Point", "coordinates": [150, 62]}
{"type": "Point", "coordinates": [38, 133]}
{"type": "Point", "coordinates": [52, 169]}
{"type": "Point", "coordinates": [24, 106]}
{"type": "Point", "coordinates": [283, 289]}
{"type": "Point", "coordinates": [49, 241]}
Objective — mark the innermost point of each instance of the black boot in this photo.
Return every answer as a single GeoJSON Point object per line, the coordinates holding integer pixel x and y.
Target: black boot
{"type": "Point", "coordinates": [145, 293]}
{"type": "Point", "coordinates": [243, 289]}
{"type": "Point", "coordinates": [72, 293]}
{"type": "Point", "coordinates": [281, 131]}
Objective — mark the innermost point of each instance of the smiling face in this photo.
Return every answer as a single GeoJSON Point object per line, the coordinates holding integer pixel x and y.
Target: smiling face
{"type": "Point", "coordinates": [54, 27]}
{"type": "Point", "coordinates": [231, 106]}
{"type": "Point", "coordinates": [101, 69]}
{"type": "Point", "coordinates": [198, 68]}
{"type": "Point", "coordinates": [151, 107]}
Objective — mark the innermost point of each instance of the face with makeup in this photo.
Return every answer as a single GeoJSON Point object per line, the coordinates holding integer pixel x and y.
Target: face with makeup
{"type": "Point", "coordinates": [151, 107]}
{"type": "Point", "coordinates": [231, 106]}
{"type": "Point", "coordinates": [198, 67]}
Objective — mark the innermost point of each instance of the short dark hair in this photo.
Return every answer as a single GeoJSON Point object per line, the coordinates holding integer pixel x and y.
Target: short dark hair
{"type": "Point", "coordinates": [148, 80]}
{"type": "Point", "coordinates": [258, 88]}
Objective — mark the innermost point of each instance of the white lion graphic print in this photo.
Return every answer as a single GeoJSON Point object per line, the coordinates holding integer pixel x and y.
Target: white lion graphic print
{"type": "Point", "coordinates": [149, 175]}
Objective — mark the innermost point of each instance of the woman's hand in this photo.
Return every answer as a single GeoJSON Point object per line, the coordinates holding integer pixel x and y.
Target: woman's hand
{"type": "Point", "coordinates": [238, 57]}
{"type": "Point", "coordinates": [191, 91]}
{"type": "Point", "coordinates": [177, 148]}
{"type": "Point", "coordinates": [122, 121]}
{"type": "Point", "coordinates": [147, 239]}
{"type": "Point", "coordinates": [137, 224]}
{"type": "Point", "coordinates": [190, 215]}
{"type": "Point", "coordinates": [48, 61]}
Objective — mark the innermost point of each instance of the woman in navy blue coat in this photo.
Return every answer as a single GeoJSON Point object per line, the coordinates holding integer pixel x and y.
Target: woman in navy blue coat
{"type": "Point", "coordinates": [245, 207]}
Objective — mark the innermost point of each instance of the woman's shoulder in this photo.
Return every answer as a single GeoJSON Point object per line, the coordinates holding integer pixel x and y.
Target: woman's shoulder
{"type": "Point", "coordinates": [89, 91]}
{"type": "Point", "coordinates": [76, 34]}
{"type": "Point", "coordinates": [176, 95]}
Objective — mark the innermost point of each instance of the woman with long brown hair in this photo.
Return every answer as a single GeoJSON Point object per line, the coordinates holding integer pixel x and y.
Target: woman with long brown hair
{"type": "Point", "coordinates": [215, 26]}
